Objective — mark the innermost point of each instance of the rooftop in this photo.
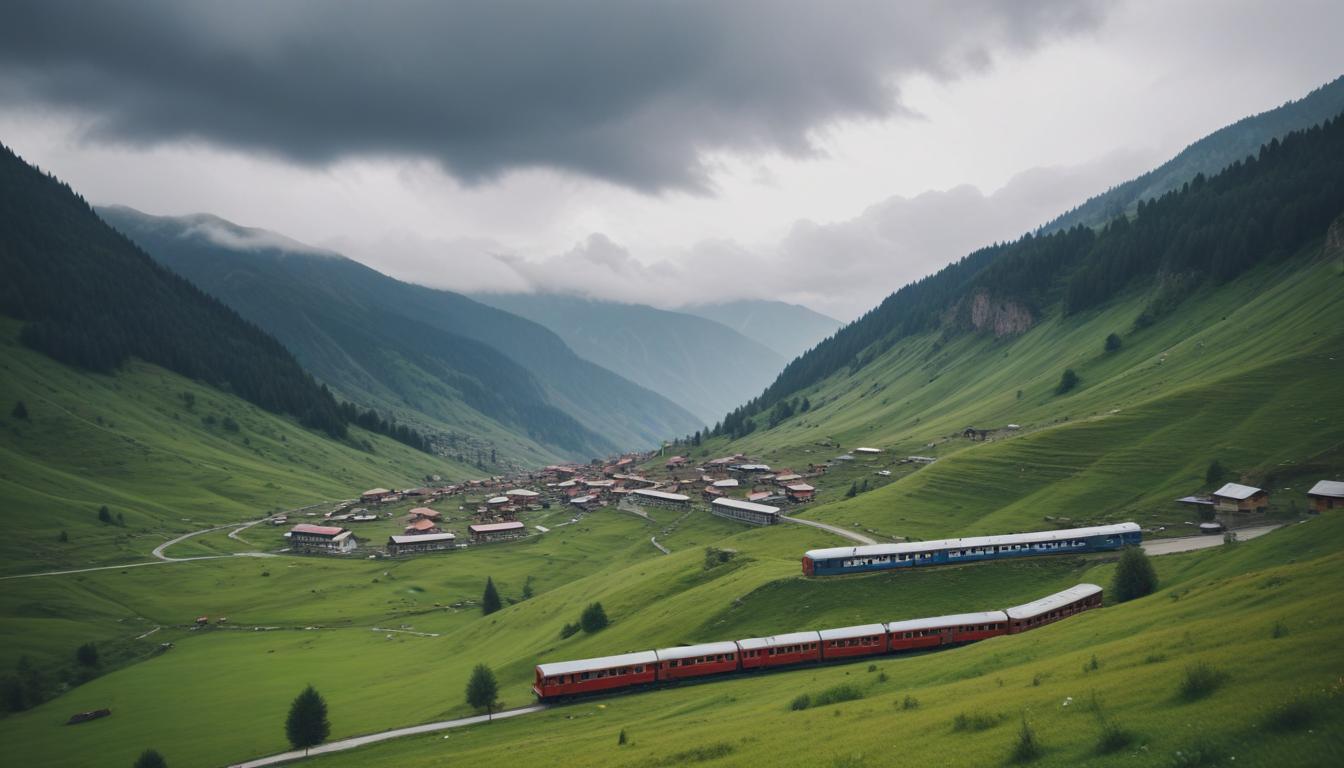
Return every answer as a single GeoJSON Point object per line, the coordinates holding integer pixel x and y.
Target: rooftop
{"type": "Point", "coordinates": [869, 550]}
{"type": "Point", "coordinates": [1333, 488]}
{"type": "Point", "coordinates": [1237, 491]}
{"type": "Point", "coordinates": [664, 495]}
{"type": "Point", "coordinates": [747, 506]}
{"type": "Point", "coordinates": [495, 527]}
{"type": "Point", "coordinates": [1050, 603]}
{"type": "Point", "coordinates": [317, 530]}
{"type": "Point", "coordinates": [422, 538]}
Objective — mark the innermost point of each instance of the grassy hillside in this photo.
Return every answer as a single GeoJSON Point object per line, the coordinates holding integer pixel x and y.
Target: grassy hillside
{"type": "Point", "coordinates": [702, 365]}
{"type": "Point", "coordinates": [1242, 374]}
{"type": "Point", "coordinates": [154, 447]}
{"type": "Point", "coordinates": [1219, 607]}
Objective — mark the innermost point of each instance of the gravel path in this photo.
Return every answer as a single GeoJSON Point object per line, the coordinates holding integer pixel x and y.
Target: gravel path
{"type": "Point", "coordinates": [1192, 543]}
{"type": "Point", "coordinates": [374, 738]}
{"type": "Point", "coordinates": [837, 530]}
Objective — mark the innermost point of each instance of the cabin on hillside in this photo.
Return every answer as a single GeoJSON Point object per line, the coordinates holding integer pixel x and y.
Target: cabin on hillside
{"type": "Point", "coordinates": [487, 532]}
{"type": "Point", "coordinates": [327, 539]}
{"type": "Point", "coordinates": [524, 498]}
{"type": "Point", "coordinates": [1326, 494]}
{"type": "Point", "coordinates": [430, 542]}
{"type": "Point", "coordinates": [867, 451]}
{"type": "Point", "coordinates": [745, 511]}
{"type": "Point", "coordinates": [1235, 497]}
{"type": "Point", "coordinates": [676, 462]}
{"type": "Point", "coordinates": [374, 495]}
{"type": "Point", "coordinates": [425, 513]}
{"type": "Point", "coordinates": [422, 526]}
{"type": "Point", "coordinates": [800, 492]}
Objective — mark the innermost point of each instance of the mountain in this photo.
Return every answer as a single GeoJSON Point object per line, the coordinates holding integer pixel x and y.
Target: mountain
{"type": "Point", "coordinates": [1208, 156]}
{"type": "Point", "coordinates": [490, 377]}
{"type": "Point", "coordinates": [789, 329]}
{"type": "Point", "coordinates": [1209, 232]}
{"type": "Point", "coordinates": [87, 296]}
{"type": "Point", "coordinates": [703, 366]}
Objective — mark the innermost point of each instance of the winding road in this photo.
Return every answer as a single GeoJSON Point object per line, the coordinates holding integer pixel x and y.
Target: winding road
{"type": "Point", "coordinates": [374, 738]}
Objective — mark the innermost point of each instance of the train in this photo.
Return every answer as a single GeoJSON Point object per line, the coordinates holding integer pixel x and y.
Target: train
{"type": "Point", "coordinates": [562, 680]}
{"type": "Point", "coordinates": [839, 561]}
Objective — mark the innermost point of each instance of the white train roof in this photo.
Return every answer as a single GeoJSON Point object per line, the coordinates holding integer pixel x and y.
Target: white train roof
{"type": "Point", "coordinates": [1050, 603]}
{"type": "Point", "coordinates": [849, 633]}
{"type": "Point", "coordinates": [870, 550]}
{"type": "Point", "coordinates": [955, 620]}
{"type": "Point", "coordinates": [592, 665]}
{"type": "Point", "coordinates": [775, 641]}
{"type": "Point", "coordinates": [692, 651]}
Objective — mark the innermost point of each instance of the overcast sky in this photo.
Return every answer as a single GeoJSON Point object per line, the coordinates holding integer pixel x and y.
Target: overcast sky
{"type": "Point", "coordinates": [820, 153]}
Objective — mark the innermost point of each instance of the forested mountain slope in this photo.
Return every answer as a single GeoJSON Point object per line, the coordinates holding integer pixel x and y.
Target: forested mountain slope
{"type": "Point", "coordinates": [435, 352]}
{"type": "Point", "coordinates": [1210, 231]}
{"type": "Point", "coordinates": [703, 366]}
{"type": "Point", "coordinates": [1208, 156]}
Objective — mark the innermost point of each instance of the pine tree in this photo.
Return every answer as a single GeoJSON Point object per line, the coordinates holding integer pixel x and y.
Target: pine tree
{"type": "Point", "coordinates": [104, 515]}
{"type": "Point", "coordinates": [20, 411]}
{"type": "Point", "coordinates": [151, 759]}
{"type": "Point", "coordinates": [1113, 343]}
{"type": "Point", "coordinates": [1067, 381]}
{"type": "Point", "coordinates": [853, 491]}
{"type": "Point", "coordinates": [482, 689]}
{"type": "Point", "coordinates": [1134, 576]}
{"type": "Point", "coordinates": [490, 600]}
{"type": "Point", "coordinates": [1215, 473]}
{"type": "Point", "coordinates": [307, 724]}
{"type": "Point", "coordinates": [87, 655]}
{"type": "Point", "coordinates": [594, 618]}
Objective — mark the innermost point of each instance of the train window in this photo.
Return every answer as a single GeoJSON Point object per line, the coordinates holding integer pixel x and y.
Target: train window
{"type": "Point", "coordinates": [728, 657]}
{"type": "Point", "coordinates": [584, 676]}
{"type": "Point", "coordinates": [672, 663]}
{"type": "Point", "coordinates": [639, 668]}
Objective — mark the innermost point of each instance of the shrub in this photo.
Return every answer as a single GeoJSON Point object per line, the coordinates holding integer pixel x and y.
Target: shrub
{"type": "Point", "coordinates": [1112, 738]}
{"type": "Point", "coordinates": [1278, 631]}
{"type": "Point", "coordinates": [104, 515]}
{"type": "Point", "coordinates": [151, 759]}
{"type": "Point", "coordinates": [20, 411]}
{"type": "Point", "coordinates": [87, 655]}
{"type": "Point", "coordinates": [975, 721]}
{"type": "Point", "coordinates": [1200, 680]}
{"type": "Point", "coordinates": [620, 738]}
{"type": "Point", "coordinates": [800, 702]}
{"type": "Point", "coordinates": [1027, 747]}
{"type": "Point", "coordinates": [1134, 576]}
{"type": "Point", "coordinates": [872, 667]}
{"type": "Point", "coordinates": [1113, 343]}
{"type": "Point", "coordinates": [1067, 381]}
{"type": "Point", "coordinates": [1293, 715]}
{"type": "Point", "coordinates": [1093, 665]}
{"type": "Point", "coordinates": [910, 702]}
{"type": "Point", "coordinates": [1155, 658]}
{"type": "Point", "coordinates": [594, 618]}
{"type": "Point", "coordinates": [837, 694]}
{"type": "Point", "coordinates": [569, 630]}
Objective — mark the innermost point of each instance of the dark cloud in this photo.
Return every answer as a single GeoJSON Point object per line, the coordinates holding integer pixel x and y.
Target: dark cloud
{"type": "Point", "coordinates": [634, 92]}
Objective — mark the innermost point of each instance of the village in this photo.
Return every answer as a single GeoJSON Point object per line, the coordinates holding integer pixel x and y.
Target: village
{"type": "Point", "coordinates": [444, 517]}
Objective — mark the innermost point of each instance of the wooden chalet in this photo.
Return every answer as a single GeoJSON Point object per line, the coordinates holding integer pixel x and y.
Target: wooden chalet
{"type": "Point", "coordinates": [429, 542]}
{"type": "Point", "coordinates": [800, 492]}
{"type": "Point", "coordinates": [487, 532]}
{"type": "Point", "coordinates": [1235, 497]}
{"type": "Point", "coordinates": [1326, 494]}
{"type": "Point", "coordinates": [306, 537]}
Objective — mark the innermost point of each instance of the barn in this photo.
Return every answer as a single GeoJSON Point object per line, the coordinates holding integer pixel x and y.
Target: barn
{"type": "Point", "coordinates": [1326, 494]}
{"type": "Point", "coordinates": [660, 498]}
{"type": "Point", "coordinates": [305, 537]}
{"type": "Point", "coordinates": [1235, 497]}
{"type": "Point", "coordinates": [485, 532]}
{"type": "Point", "coordinates": [429, 542]}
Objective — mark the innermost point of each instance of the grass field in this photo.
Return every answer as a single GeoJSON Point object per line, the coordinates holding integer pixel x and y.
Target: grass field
{"type": "Point", "coordinates": [134, 443]}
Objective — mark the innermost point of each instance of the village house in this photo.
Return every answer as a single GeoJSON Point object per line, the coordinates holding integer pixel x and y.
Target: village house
{"type": "Point", "coordinates": [374, 495]}
{"type": "Point", "coordinates": [429, 542]}
{"type": "Point", "coordinates": [724, 485]}
{"type": "Point", "coordinates": [523, 497]}
{"type": "Point", "coordinates": [425, 513]}
{"type": "Point", "coordinates": [487, 532]}
{"type": "Point", "coordinates": [306, 537]}
{"type": "Point", "coordinates": [422, 526]}
{"type": "Point", "coordinates": [784, 478]}
{"type": "Point", "coordinates": [868, 451]}
{"type": "Point", "coordinates": [587, 501]}
{"type": "Point", "coordinates": [745, 511]}
{"type": "Point", "coordinates": [676, 462]}
{"type": "Point", "coordinates": [1326, 494]}
{"type": "Point", "coordinates": [710, 492]}
{"type": "Point", "coordinates": [800, 492]}
{"type": "Point", "coordinates": [1235, 497]}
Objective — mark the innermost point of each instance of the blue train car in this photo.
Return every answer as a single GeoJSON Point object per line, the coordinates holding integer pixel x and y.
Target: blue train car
{"type": "Point", "coordinates": [837, 561]}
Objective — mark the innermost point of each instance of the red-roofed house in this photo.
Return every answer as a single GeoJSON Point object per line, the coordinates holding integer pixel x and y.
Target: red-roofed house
{"type": "Point", "coordinates": [422, 526]}
{"type": "Point", "coordinates": [800, 492]}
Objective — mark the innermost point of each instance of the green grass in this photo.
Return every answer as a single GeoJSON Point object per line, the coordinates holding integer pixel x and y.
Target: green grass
{"type": "Point", "coordinates": [129, 441]}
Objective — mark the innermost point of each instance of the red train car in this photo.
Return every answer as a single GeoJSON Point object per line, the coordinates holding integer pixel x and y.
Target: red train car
{"type": "Point", "coordinates": [780, 650]}
{"type": "Point", "coordinates": [572, 678]}
{"type": "Point", "coordinates": [848, 642]}
{"type": "Point", "coordinates": [697, 660]}
{"type": "Point", "coordinates": [945, 630]}
{"type": "Point", "coordinates": [1048, 610]}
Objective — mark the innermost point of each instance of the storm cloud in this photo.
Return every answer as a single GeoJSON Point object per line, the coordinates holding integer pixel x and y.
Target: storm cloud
{"type": "Point", "coordinates": [641, 94]}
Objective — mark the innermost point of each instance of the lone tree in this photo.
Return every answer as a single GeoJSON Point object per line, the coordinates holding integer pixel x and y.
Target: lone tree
{"type": "Point", "coordinates": [1113, 343]}
{"type": "Point", "coordinates": [151, 759]}
{"type": "Point", "coordinates": [87, 655]}
{"type": "Point", "coordinates": [490, 600]}
{"type": "Point", "coordinates": [1134, 576]}
{"type": "Point", "coordinates": [1067, 381]}
{"type": "Point", "coordinates": [20, 411]}
{"type": "Point", "coordinates": [482, 689]}
{"type": "Point", "coordinates": [853, 490]}
{"type": "Point", "coordinates": [593, 618]}
{"type": "Point", "coordinates": [105, 515]}
{"type": "Point", "coordinates": [1215, 473]}
{"type": "Point", "coordinates": [307, 724]}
